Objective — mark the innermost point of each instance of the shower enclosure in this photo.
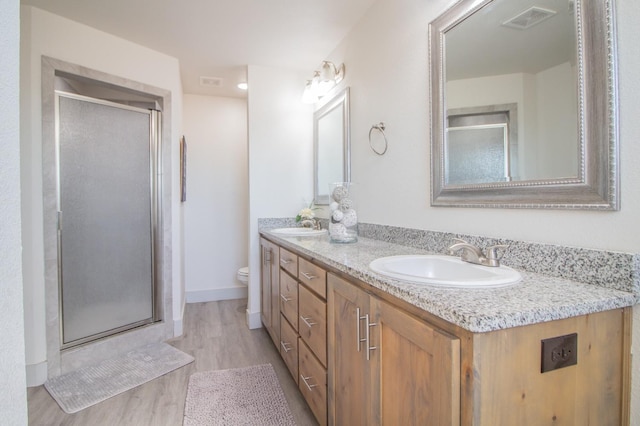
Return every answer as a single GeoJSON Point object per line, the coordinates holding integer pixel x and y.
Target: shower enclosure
{"type": "Point", "coordinates": [107, 157]}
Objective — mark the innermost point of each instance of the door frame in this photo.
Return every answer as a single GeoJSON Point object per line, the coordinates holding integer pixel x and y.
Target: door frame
{"type": "Point", "coordinates": [60, 361]}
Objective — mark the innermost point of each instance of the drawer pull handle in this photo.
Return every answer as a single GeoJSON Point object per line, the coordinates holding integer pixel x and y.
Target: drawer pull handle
{"type": "Point", "coordinates": [359, 338]}
{"type": "Point", "coordinates": [285, 346]}
{"type": "Point", "coordinates": [285, 261]}
{"type": "Point", "coordinates": [267, 255]}
{"type": "Point", "coordinates": [308, 276]}
{"type": "Point", "coordinates": [307, 321]}
{"type": "Point", "coordinates": [285, 298]}
{"type": "Point", "coordinates": [367, 339]}
{"type": "Point", "coordinates": [304, 379]}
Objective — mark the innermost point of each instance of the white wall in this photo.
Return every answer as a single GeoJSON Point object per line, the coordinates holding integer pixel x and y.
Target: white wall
{"type": "Point", "coordinates": [387, 69]}
{"type": "Point", "coordinates": [217, 208]}
{"type": "Point", "coordinates": [547, 144]}
{"type": "Point", "coordinates": [557, 137]}
{"type": "Point", "coordinates": [47, 34]}
{"type": "Point", "coordinates": [280, 158]}
{"type": "Point", "coordinates": [13, 404]}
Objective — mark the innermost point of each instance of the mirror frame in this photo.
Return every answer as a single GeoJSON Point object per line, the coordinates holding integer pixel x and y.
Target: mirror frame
{"type": "Point", "coordinates": [340, 99]}
{"type": "Point", "coordinates": [597, 184]}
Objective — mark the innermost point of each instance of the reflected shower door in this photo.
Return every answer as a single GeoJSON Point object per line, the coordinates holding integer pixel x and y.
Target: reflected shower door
{"type": "Point", "coordinates": [107, 217]}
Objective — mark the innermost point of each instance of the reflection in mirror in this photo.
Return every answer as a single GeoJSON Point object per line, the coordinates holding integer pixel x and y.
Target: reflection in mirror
{"type": "Point", "coordinates": [527, 53]}
{"type": "Point", "coordinates": [512, 124]}
{"type": "Point", "coordinates": [331, 138]}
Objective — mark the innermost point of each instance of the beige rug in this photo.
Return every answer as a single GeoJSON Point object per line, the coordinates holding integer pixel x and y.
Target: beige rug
{"type": "Point", "coordinates": [239, 396]}
{"type": "Point", "coordinates": [87, 386]}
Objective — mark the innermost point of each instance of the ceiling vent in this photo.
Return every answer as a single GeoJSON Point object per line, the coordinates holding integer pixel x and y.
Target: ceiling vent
{"type": "Point", "coordinates": [530, 17]}
{"type": "Point", "coordinates": [211, 81]}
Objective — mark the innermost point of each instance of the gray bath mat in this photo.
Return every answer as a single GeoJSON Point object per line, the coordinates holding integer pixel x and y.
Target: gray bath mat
{"type": "Point", "coordinates": [248, 396]}
{"type": "Point", "coordinates": [87, 386]}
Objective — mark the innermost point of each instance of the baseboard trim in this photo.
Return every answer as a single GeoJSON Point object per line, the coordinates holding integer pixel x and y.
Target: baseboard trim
{"type": "Point", "coordinates": [212, 295]}
{"type": "Point", "coordinates": [253, 320]}
{"type": "Point", "coordinates": [37, 374]}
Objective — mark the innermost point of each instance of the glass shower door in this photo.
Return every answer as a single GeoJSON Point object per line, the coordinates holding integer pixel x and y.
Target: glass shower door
{"type": "Point", "coordinates": [107, 217]}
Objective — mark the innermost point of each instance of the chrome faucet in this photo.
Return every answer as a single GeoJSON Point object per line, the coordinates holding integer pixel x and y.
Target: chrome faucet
{"type": "Point", "coordinates": [311, 223]}
{"type": "Point", "coordinates": [473, 254]}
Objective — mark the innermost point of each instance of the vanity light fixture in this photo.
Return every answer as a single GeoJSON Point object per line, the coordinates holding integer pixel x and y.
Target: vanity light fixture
{"type": "Point", "coordinates": [309, 95]}
{"type": "Point", "coordinates": [323, 81]}
{"type": "Point", "coordinates": [243, 86]}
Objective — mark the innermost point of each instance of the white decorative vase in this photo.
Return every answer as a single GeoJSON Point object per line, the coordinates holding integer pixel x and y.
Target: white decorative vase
{"type": "Point", "coordinates": [343, 219]}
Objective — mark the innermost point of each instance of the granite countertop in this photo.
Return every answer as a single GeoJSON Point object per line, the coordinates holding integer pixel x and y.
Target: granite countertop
{"type": "Point", "coordinates": [536, 298]}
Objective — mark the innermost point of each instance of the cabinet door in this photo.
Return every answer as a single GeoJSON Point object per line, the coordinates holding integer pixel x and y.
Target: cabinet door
{"type": "Point", "coordinates": [275, 295]}
{"type": "Point", "coordinates": [289, 298]}
{"type": "Point", "coordinates": [349, 371]}
{"type": "Point", "coordinates": [266, 256]}
{"type": "Point", "coordinates": [270, 289]}
{"type": "Point", "coordinates": [417, 369]}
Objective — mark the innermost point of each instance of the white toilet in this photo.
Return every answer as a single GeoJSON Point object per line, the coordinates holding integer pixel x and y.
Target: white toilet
{"type": "Point", "coordinates": [243, 275]}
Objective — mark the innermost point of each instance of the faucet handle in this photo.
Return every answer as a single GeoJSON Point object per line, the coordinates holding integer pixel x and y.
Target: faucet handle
{"type": "Point", "coordinates": [492, 253]}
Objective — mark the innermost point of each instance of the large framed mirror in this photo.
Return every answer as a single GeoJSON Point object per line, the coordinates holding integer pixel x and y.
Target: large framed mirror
{"type": "Point", "coordinates": [524, 105]}
{"type": "Point", "coordinates": [331, 145]}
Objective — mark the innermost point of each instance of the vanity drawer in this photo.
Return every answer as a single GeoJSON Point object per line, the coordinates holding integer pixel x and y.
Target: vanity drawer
{"type": "Point", "coordinates": [289, 298]}
{"type": "Point", "coordinates": [313, 277]}
{"type": "Point", "coordinates": [312, 324]}
{"type": "Point", "coordinates": [313, 382]}
{"type": "Point", "coordinates": [289, 262]}
{"type": "Point", "coordinates": [289, 347]}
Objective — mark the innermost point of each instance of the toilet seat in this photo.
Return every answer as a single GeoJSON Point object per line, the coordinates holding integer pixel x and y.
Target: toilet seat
{"type": "Point", "coordinates": [243, 274]}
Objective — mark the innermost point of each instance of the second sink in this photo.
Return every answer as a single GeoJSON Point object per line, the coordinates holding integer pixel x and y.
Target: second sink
{"type": "Point", "coordinates": [299, 232]}
{"type": "Point", "coordinates": [444, 271]}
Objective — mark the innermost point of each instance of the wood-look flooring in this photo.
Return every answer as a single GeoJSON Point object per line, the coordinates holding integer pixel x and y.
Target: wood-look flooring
{"type": "Point", "coordinates": [216, 335]}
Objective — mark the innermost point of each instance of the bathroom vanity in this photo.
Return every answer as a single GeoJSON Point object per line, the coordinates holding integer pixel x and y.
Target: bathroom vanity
{"type": "Point", "coordinates": [369, 350]}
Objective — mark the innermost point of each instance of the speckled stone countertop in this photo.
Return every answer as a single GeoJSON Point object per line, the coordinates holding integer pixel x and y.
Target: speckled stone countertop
{"type": "Point", "coordinates": [537, 298]}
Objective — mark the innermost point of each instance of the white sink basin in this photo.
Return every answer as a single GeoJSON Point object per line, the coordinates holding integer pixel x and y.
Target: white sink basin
{"type": "Point", "coordinates": [444, 271]}
{"type": "Point", "coordinates": [299, 232]}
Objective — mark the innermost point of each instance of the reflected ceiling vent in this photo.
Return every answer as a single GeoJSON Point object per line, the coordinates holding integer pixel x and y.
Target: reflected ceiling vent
{"type": "Point", "coordinates": [530, 17]}
{"type": "Point", "coordinates": [211, 81]}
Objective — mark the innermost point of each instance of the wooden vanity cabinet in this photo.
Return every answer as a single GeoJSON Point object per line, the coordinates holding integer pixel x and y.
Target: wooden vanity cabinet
{"type": "Point", "coordinates": [270, 288]}
{"type": "Point", "coordinates": [420, 373]}
{"type": "Point", "coordinates": [301, 308]}
{"type": "Point", "coordinates": [388, 367]}
{"type": "Point", "coordinates": [361, 356]}
{"type": "Point", "coordinates": [312, 344]}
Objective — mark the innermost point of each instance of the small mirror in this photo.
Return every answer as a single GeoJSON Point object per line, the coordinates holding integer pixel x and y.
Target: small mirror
{"type": "Point", "coordinates": [524, 105]}
{"type": "Point", "coordinates": [331, 141]}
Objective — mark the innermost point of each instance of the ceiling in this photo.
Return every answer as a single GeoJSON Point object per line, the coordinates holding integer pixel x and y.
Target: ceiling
{"type": "Point", "coordinates": [219, 38]}
{"type": "Point", "coordinates": [482, 45]}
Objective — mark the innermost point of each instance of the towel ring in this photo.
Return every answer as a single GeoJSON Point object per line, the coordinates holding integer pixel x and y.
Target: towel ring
{"type": "Point", "coordinates": [380, 128]}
